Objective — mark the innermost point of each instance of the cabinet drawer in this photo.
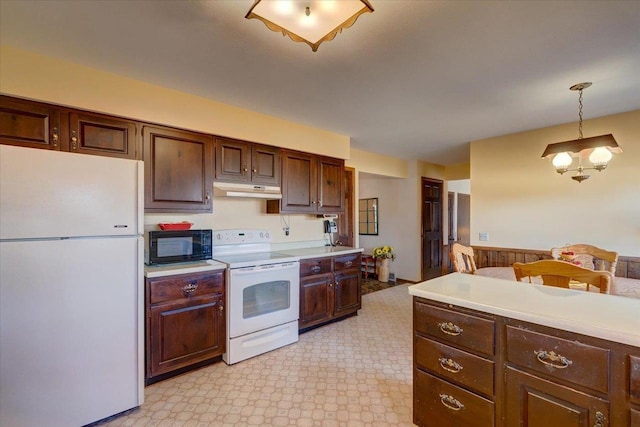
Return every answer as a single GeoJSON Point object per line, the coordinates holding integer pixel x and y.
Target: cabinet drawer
{"type": "Point", "coordinates": [185, 286]}
{"type": "Point", "coordinates": [455, 365]}
{"type": "Point", "coordinates": [309, 267]}
{"type": "Point", "coordinates": [563, 359]}
{"type": "Point", "coordinates": [344, 262]}
{"type": "Point", "coordinates": [461, 329]}
{"type": "Point", "coordinates": [634, 378]}
{"type": "Point", "coordinates": [439, 403]}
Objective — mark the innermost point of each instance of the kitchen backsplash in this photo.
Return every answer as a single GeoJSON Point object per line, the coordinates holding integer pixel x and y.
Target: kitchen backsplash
{"type": "Point", "coordinates": [248, 213]}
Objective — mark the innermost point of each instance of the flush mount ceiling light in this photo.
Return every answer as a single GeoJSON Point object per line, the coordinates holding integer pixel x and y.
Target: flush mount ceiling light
{"type": "Point", "coordinates": [311, 22]}
{"type": "Point", "coordinates": [598, 149]}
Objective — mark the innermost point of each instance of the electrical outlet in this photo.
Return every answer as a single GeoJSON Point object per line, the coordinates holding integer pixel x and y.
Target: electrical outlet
{"type": "Point", "coordinates": [286, 231]}
{"type": "Point", "coordinates": [483, 237]}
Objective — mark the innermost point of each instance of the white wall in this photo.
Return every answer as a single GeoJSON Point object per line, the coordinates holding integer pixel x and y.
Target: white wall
{"type": "Point", "coordinates": [521, 201]}
{"type": "Point", "coordinates": [399, 219]}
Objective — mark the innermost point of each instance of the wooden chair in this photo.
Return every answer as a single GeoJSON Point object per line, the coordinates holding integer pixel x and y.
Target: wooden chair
{"type": "Point", "coordinates": [560, 274]}
{"type": "Point", "coordinates": [462, 259]}
{"type": "Point", "coordinates": [590, 257]}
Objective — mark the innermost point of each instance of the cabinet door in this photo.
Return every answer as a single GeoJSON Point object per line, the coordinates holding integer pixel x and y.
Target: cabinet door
{"type": "Point", "coordinates": [103, 135]}
{"type": "Point", "coordinates": [265, 165]}
{"type": "Point", "coordinates": [299, 186]}
{"type": "Point", "coordinates": [330, 185]}
{"type": "Point", "coordinates": [233, 160]}
{"type": "Point", "coordinates": [185, 332]}
{"type": "Point", "coordinates": [348, 295]}
{"type": "Point", "coordinates": [534, 402]}
{"type": "Point", "coordinates": [316, 299]}
{"type": "Point", "coordinates": [178, 169]}
{"type": "Point", "coordinates": [31, 124]}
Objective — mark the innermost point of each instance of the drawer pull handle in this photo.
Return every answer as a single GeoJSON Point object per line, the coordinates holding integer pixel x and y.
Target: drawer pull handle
{"type": "Point", "coordinates": [599, 419]}
{"type": "Point", "coordinates": [315, 269]}
{"type": "Point", "coordinates": [450, 328]}
{"type": "Point", "coordinates": [553, 359]}
{"type": "Point", "coordinates": [450, 365]}
{"type": "Point", "coordinates": [190, 288]}
{"type": "Point", "coordinates": [450, 402]}
{"type": "Point", "coordinates": [348, 263]}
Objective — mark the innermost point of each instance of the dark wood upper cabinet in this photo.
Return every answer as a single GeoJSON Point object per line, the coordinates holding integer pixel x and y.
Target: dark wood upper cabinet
{"type": "Point", "coordinates": [330, 181]}
{"type": "Point", "coordinates": [38, 125]}
{"type": "Point", "coordinates": [246, 162]}
{"type": "Point", "coordinates": [265, 164]}
{"type": "Point", "coordinates": [178, 170]}
{"type": "Point", "coordinates": [91, 133]}
{"type": "Point", "coordinates": [31, 124]}
{"type": "Point", "coordinates": [310, 184]}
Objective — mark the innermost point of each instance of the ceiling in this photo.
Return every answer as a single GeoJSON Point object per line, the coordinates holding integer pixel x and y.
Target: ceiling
{"type": "Point", "coordinates": [413, 80]}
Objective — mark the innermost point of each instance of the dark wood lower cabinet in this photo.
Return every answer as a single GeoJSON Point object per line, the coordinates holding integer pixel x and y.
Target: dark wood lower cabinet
{"type": "Point", "coordinates": [530, 376]}
{"type": "Point", "coordinates": [329, 289]}
{"type": "Point", "coordinates": [440, 403]}
{"type": "Point", "coordinates": [536, 402]}
{"type": "Point", "coordinates": [185, 321]}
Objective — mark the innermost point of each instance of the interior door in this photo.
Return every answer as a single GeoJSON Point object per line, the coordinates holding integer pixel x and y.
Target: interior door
{"type": "Point", "coordinates": [464, 219]}
{"type": "Point", "coordinates": [431, 228]}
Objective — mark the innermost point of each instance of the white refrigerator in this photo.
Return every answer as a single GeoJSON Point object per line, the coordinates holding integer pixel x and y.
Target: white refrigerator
{"type": "Point", "coordinates": [71, 287]}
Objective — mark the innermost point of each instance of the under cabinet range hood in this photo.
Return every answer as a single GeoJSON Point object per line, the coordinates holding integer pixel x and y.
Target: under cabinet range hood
{"type": "Point", "coordinates": [228, 189]}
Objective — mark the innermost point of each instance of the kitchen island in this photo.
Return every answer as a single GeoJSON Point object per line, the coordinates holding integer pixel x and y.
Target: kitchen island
{"type": "Point", "coordinates": [494, 352]}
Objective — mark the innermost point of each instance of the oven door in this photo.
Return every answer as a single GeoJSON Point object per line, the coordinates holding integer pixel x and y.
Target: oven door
{"type": "Point", "coordinates": [263, 296]}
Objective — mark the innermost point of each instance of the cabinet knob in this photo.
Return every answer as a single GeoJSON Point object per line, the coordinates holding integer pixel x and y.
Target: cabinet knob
{"type": "Point", "coordinates": [254, 170]}
{"type": "Point", "coordinates": [551, 358]}
{"type": "Point", "coordinates": [54, 137]}
{"type": "Point", "coordinates": [450, 365]}
{"type": "Point", "coordinates": [244, 170]}
{"type": "Point", "coordinates": [450, 328]}
{"type": "Point", "coordinates": [220, 308]}
{"type": "Point", "coordinates": [451, 402]}
{"type": "Point", "coordinates": [74, 140]}
{"type": "Point", "coordinates": [187, 290]}
{"type": "Point", "coordinates": [207, 196]}
{"type": "Point", "coordinates": [313, 202]}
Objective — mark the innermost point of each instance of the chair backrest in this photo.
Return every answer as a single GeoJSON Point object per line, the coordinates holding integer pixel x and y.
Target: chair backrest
{"type": "Point", "coordinates": [560, 273]}
{"type": "Point", "coordinates": [462, 259]}
{"type": "Point", "coordinates": [590, 257]}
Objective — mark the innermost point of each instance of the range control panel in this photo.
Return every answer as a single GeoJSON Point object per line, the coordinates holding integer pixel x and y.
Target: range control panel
{"type": "Point", "coordinates": [240, 236]}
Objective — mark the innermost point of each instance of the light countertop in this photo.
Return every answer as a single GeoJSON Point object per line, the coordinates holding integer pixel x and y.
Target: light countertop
{"type": "Point", "coordinates": [320, 251]}
{"type": "Point", "coordinates": [610, 317]}
{"type": "Point", "coordinates": [182, 268]}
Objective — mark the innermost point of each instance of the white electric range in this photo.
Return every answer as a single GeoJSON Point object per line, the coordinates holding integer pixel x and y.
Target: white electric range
{"type": "Point", "coordinates": [263, 293]}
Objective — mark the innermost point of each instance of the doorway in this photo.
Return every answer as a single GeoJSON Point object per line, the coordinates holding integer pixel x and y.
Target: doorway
{"type": "Point", "coordinates": [431, 228]}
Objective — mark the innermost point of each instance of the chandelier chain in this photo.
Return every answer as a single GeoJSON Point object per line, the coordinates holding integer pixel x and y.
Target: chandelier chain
{"type": "Point", "coordinates": [580, 114]}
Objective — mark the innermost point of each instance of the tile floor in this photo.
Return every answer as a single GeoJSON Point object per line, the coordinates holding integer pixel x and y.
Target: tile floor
{"type": "Point", "coordinates": [356, 372]}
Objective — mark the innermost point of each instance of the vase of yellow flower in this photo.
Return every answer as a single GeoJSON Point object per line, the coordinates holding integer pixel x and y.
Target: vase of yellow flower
{"type": "Point", "coordinates": [382, 256]}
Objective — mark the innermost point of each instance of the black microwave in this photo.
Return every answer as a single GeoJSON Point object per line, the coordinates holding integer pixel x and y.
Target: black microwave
{"type": "Point", "coordinates": [166, 247]}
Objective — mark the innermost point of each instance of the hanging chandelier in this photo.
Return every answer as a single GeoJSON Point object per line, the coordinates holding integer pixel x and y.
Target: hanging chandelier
{"type": "Point", "coordinates": [598, 149]}
{"type": "Point", "coordinates": [308, 21]}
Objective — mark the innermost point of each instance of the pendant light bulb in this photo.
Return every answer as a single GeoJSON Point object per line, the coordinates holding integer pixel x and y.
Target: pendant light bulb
{"type": "Point", "coordinates": [600, 157]}
{"type": "Point", "coordinates": [562, 161]}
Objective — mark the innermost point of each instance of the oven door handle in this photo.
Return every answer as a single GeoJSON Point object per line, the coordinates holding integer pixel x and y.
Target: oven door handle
{"type": "Point", "coordinates": [269, 267]}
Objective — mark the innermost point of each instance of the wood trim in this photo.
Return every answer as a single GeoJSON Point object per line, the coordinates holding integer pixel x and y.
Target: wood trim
{"type": "Point", "coordinates": [487, 256]}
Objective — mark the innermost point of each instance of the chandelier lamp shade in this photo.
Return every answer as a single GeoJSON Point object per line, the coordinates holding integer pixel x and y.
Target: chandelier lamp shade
{"type": "Point", "coordinates": [307, 21]}
{"type": "Point", "coordinates": [597, 149]}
